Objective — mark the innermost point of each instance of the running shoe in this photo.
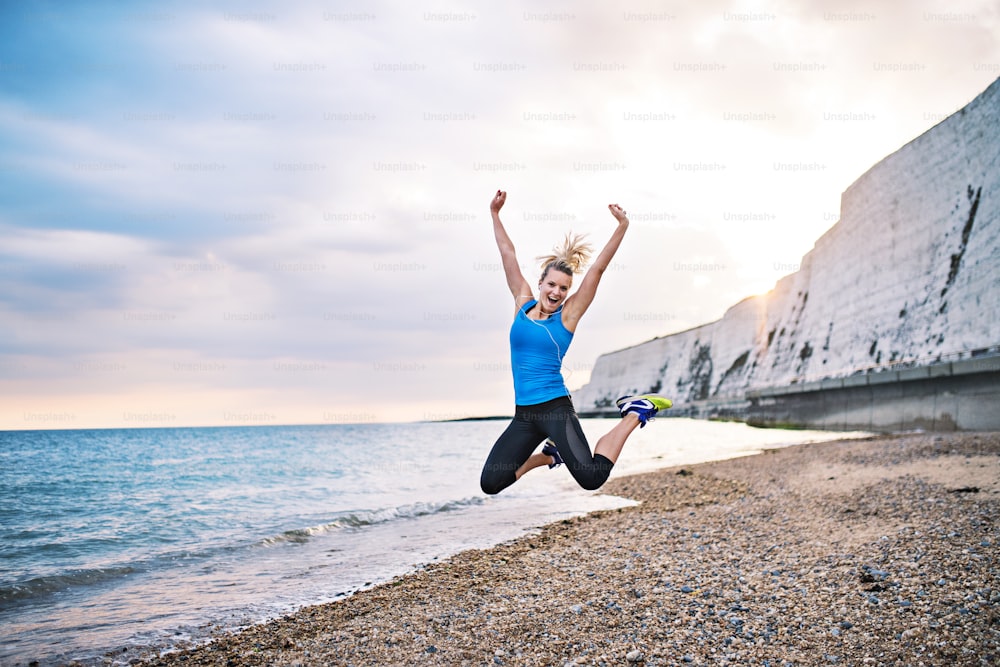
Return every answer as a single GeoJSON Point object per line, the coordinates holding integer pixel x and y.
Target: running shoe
{"type": "Point", "coordinates": [645, 406]}
{"type": "Point", "coordinates": [550, 450]}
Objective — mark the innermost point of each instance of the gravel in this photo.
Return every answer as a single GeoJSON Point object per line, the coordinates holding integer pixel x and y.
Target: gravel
{"type": "Point", "coordinates": [881, 551]}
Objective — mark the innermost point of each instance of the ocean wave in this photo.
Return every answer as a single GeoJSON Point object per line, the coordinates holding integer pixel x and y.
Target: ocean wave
{"type": "Point", "coordinates": [13, 594]}
{"type": "Point", "coordinates": [363, 518]}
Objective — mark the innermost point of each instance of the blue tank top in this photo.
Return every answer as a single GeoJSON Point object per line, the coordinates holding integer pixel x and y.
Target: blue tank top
{"type": "Point", "coordinates": [537, 348]}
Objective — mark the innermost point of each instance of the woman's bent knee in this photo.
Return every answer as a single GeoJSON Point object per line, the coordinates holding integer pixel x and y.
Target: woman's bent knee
{"type": "Point", "coordinates": [492, 483]}
{"type": "Point", "coordinates": [593, 482]}
{"type": "Point", "coordinates": [594, 476]}
{"type": "Point", "coordinates": [497, 475]}
{"type": "Point", "coordinates": [490, 488]}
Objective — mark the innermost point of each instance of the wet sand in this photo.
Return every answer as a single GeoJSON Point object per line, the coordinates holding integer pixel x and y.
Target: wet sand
{"type": "Point", "coordinates": [882, 551]}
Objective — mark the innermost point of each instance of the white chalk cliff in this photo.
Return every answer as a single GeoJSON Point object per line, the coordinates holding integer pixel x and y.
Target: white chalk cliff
{"type": "Point", "coordinates": [908, 276]}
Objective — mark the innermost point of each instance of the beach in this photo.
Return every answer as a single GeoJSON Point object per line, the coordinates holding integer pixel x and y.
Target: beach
{"type": "Point", "coordinates": [877, 551]}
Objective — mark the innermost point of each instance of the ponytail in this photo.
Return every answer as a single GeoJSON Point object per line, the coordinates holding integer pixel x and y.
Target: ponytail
{"type": "Point", "coordinates": [570, 258]}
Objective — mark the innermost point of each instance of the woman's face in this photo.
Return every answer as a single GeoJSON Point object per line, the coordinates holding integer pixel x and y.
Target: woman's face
{"type": "Point", "coordinates": [553, 289]}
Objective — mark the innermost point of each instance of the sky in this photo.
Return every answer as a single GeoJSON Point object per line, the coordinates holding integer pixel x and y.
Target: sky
{"type": "Point", "coordinates": [255, 213]}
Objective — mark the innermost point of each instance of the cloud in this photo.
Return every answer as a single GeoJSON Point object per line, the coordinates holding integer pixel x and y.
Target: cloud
{"type": "Point", "coordinates": [283, 212]}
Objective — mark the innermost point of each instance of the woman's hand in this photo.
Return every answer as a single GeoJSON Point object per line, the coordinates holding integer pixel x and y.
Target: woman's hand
{"type": "Point", "coordinates": [498, 201]}
{"type": "Point", "coordinates": [619, 214]}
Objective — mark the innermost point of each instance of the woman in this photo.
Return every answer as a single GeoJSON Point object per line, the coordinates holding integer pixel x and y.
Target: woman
{"type": "Point", "coordinates": [542, 330]}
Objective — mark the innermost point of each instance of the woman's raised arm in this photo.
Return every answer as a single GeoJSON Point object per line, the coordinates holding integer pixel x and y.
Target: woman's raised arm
{"type": "Point", "coordinates": [580, 301]}
{"type": "Point", "coordinates": [519, 287]}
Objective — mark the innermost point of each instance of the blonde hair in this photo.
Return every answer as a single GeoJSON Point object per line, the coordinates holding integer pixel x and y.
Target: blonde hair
{"type": "Point", "coordinates": [570, 258]}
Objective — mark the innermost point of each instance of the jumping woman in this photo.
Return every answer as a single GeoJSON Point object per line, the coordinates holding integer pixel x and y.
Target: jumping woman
{"type": "Point", "coordinates": [541, 333]}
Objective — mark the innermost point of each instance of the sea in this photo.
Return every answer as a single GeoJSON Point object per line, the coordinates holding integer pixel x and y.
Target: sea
{"type": "Point", "coordinates": [120, 544]}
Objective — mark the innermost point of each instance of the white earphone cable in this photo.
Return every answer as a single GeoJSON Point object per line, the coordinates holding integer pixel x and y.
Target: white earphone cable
{"type": "Point", "coordinates": [559, 352]}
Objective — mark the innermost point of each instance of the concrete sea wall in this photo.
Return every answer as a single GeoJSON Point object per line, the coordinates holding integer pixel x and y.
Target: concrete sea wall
{"type": "Point", "coordinates": [907, 282]}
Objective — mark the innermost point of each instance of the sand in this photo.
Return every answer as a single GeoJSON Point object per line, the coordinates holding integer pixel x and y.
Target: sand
{"type": "Point", "coordinates": [882, 551]}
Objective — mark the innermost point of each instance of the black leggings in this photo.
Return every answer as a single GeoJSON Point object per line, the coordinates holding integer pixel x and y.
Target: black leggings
{"type": "Point", "coordinates": [532, 424]}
